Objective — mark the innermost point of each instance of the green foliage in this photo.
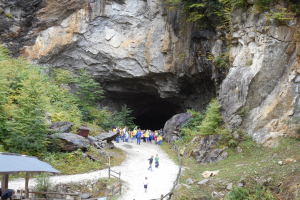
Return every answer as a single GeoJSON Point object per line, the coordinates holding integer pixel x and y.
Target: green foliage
{"type": "Point", "coordinates": [123, 118]}
{"type": "Point", "coordinates": [9, 15]}
{"type": "Point", "coordinates": [212, 119]}
{"type": "Point", "coordinates": [221, 61]}
{"type": "Point", "coordinates": [281, 15]}
{"type": "Point", "coordinates": [209, 14]}
{"type": "Point", "coordinates": [227, 138]}
{"type": "Point", "coordinates": [62, 76]}
{"type": "Point", "coordinates": [89, 90]}
{"type": "Point", "coordinates": [262, 5]}
{"type": "Point", "coordinates": [26, 95]}
{"type": "Point", "coordinates": [256, 193]}
{"type": "Point", "coordinates": [43, 182]}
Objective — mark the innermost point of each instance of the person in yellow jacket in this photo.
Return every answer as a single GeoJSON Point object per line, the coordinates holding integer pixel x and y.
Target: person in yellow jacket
{"type": "Point", "coordinates": [134, 134]}
{"type": "Point", "coordinates": [147, 136]}
{"type": "Point", "coordinates": [131, 136]}
{"type": "Point", "coordinates": [159, 140]}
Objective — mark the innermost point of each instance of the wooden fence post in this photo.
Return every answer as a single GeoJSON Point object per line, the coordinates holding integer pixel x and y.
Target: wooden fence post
{"type": "Point", "coordinates": [121, 187]}
{"type": "Point", "coordinates": [109, 172]}
{"type": "Point", "coordinates": [112, 191]}
{"type": "Point", "coordinates": [162, 197]}
{"type": "Point", "coordinates": [119, 176]}
{"type": "Point", "coordinates": [79, 197]}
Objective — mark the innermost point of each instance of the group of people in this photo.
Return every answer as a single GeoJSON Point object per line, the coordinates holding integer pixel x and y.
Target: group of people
{"type": "Point", "coordinates": [137, 135]}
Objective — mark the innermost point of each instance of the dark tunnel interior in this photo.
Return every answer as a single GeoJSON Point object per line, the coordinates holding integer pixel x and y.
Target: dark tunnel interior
{"type": "Point", "coordinates": [150, 111]}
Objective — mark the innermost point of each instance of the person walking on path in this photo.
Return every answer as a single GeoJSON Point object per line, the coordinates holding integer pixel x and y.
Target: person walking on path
{"type": "Point", "coordinates": [146, 182]}
{"type": "Point", "coordinates": [150, 163]}
{"type": "Point", "coordinates": [156, 161]}
{"type": "Point", "coordinates": [139, 134]}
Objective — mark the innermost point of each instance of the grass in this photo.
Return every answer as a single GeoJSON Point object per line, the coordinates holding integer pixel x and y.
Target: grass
{"type": "Point", "coordinates": [253, 163]}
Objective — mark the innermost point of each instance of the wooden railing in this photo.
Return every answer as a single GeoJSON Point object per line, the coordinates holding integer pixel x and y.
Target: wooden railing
{"type": "Point", "coordinates": [118, 188]}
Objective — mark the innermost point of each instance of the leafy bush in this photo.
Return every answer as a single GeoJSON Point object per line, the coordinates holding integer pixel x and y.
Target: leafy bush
{"type": "Point", "coordinates": [26, 95]}
{"type": "Point", "coordinates": [212, 119]}
{"type": "Point", "coordinates": [256, 193]}
{"type": "Point", "coordinates": [123, 118]}
{"type": "Point", "coordinates": [9, 15]}
{"type": "Point", "coordinates": [43, 182]}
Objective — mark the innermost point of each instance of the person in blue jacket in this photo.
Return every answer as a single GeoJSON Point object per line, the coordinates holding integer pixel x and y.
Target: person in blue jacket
{"type": "Point", "coordinates": [139, 134]}
{"type": "Point", "coordinates": [7, 194]}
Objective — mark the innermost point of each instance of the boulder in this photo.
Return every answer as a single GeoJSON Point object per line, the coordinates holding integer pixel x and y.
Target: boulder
{"type": "Point", "coordinates": [229, 186]}
{"type": "Point", "coordinates": [173, 125]}
{"type": "Point", "coordinates": [208, 174]}
{"type": "Point", "coordinates": [205, 152]}
{"type": "Point", "coordinates": [189, 181]}
{"type": "Point", "coordinates": [109, 136]}
{"type": "Point", "coordinates": [71, 142]}
{"type": "Point", "coordinates": [92, 139]}
{"type": "Point", "coordinates": [203, 182]}
{"type": "Point", "coordinates": [61, 127]}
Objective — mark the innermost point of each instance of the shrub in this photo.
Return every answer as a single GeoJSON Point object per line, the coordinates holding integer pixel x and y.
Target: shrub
{"type": "Point", "coordinates": [212, 119]}
{"type": "Point", "coordinates": [43, 182]}
{"type": "Point", "coordinates": [9, 15]}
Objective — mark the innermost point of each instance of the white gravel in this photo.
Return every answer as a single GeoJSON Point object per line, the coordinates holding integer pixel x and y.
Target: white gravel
{"type": "Point", "coordinates": [133, 171]}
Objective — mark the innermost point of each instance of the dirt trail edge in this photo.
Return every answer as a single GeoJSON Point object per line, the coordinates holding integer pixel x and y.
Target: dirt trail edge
{"type": "Point", "coordinates": [133, 171]}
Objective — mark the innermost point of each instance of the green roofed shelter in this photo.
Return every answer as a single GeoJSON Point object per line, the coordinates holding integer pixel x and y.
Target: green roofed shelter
{"type": "Point", "coordinates": [16, 163]}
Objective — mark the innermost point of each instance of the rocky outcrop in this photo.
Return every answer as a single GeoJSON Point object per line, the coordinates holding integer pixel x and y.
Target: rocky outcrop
{"type": "Point", "coordinates": [206, 152]}
{"type": "Point", "coordinates": [261, 89]}
{"type": "Point", "coordinates": [71, 142]}
{"type": "Point", "coordinates": [173, 125]}
{"type": "Point", "coordinates": [61, 127]}
{"type": "Point", "coordinates": [108, 137]}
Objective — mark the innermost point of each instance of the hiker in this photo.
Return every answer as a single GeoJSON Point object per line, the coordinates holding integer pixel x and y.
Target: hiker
{"type": "Point", "coordinates": [147, 136]}
{"type": "Point", "coordinates": [151, 137]}
{"type": "Point", "coordinates": [131, 136]}
{"type": "Point", "coordinates": [155, 137]}
{"type": "Point", "coordinates": [161, 132]}
{"type": "Point", "coordinates": [156, 161]}
{"type": "Point", "coordinates": [160, 140]}
{"type": "Point", "coordinates": [146, 182]}
{"type": "Point", "coordinates": [150, 163]}
{"type": "Point", "coordinates": [7, 194]}
{"type": "Point", "coordinates": [118, 136]}
{"type": "Point", "coordinates": [139, 134]}
{"type": "Point", "coordinates": [126, 136]}
{"type": "Point", "coordinates": [134, 134]}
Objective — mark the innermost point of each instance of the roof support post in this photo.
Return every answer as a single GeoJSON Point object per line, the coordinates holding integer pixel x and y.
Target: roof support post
{"type": "Point", "coordinates": [26, 185]}
{"type": "Point", "coordinates": [4, 182]}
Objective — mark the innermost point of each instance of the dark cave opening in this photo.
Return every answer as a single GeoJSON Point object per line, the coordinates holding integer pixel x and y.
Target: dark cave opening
{"type": "Point", "coordinates": [150, 111]}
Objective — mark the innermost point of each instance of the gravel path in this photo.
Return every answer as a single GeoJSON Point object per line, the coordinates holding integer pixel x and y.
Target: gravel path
{"type": "Point", "coordinates": [133, 172]}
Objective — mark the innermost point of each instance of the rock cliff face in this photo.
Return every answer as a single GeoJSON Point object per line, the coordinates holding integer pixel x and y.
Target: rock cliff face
{"type": "Point", "coordinates": [145, 57]}
{"type": "Point", "coordinates": [135, 49]}
{"type": "Point", "coordinates": [261, 89]}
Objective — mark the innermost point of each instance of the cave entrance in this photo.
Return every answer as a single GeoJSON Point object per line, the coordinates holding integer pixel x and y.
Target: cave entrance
{"type": "Point", "coordinates": [150, 111]}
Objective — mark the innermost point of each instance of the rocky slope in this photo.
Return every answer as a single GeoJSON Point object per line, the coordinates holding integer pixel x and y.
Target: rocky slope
{"type": "Point", "coordinates": [146, 57]}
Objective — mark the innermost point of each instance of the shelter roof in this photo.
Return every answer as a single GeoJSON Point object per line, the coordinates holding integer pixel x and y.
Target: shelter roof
{"type": "Point", "coordinates": [15, 163]}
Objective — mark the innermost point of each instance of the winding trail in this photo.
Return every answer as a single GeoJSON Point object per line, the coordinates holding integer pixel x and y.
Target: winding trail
{"type": "Point", "coordinates": [133, 171]}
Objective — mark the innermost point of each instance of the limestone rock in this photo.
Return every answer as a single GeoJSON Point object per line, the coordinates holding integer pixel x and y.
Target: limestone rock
{"type": "Point", "coordinates": [240, 184]}
{"type": "Point", "coordinates": [109, 136]}
{"type": "Point", "coordinates": [204, 152]}
{"type": "Point", "coordinates": [71, 142]}
{"type": "Point", "coordinates": [61, 127]}
{"type": "Point", "coordinates": [229, 186]}
{"type": "Point", "coordinates": [189, 181]}
{"type": "Point", "coordinates": [172, 126]}
{"type": "Point", "coordinates": [280, 162]}
{"type": "Point", "coordinates": [208, 174]}
{"type": "Point", "coordinates": [203, 182]}
{"type": "Point", "coordinates": [218, 195]}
